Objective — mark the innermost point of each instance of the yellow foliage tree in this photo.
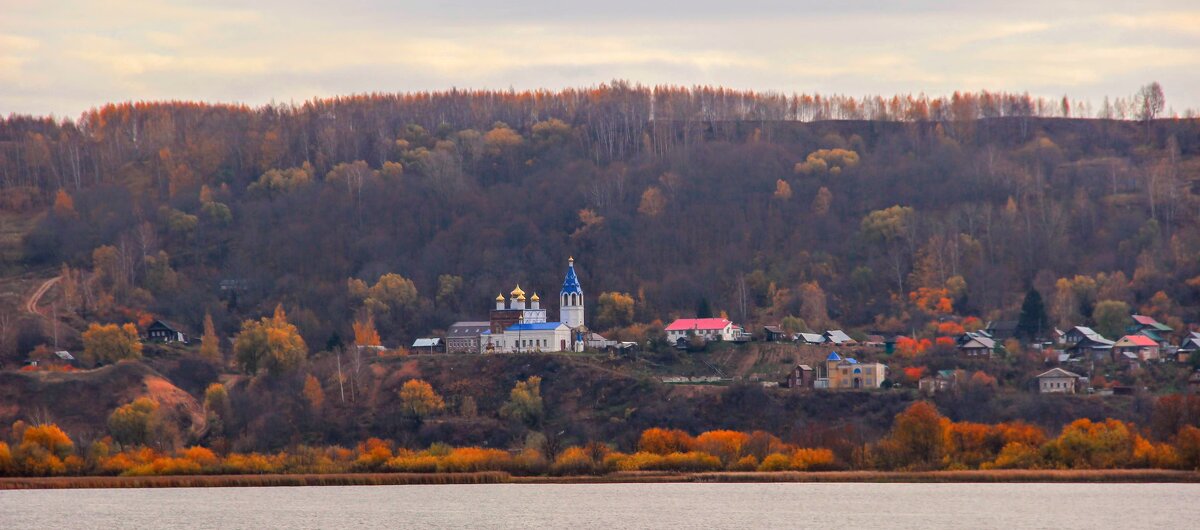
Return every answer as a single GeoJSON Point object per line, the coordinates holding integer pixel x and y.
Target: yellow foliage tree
{"type": "Point", "coordinates": [313, 392]}
{"type": "Point", "coordinates": [109, 343]}
{"type": "Point", "coordinates": [783, 190]}
{"type": "Point", "coordinates": [64, 205]}
{"type": "Point", "coordinates": [418, 400]}
{"type": "Point", "coordinates": [272, 344]}
{"type": "Point", "coordinates": [210, 344]}
{"type": "Point", "coordinates": [365, 333]}
{"type": "Point", "coordinates": [614, 310]}
{"type": "Point", "coordinates": [653, 202]}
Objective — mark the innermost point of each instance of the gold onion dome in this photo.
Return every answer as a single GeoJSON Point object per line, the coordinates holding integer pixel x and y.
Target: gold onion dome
{"type": "Point", "coordinates": [500, 297]}
{"type": "Point", "coordinates": [535, 298]}
{"type": "Point", "coordinates": [518, 292]}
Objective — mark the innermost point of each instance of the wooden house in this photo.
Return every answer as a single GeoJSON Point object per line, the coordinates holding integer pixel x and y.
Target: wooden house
{"type": "Point", "coordinates": [774, 334]}
{"type": "Point", "coordinates": [1143, 348]}
{"type": "Point", "coordinates": [162, 331]}
{"type": "Point", "coordinates": [1058, 381]}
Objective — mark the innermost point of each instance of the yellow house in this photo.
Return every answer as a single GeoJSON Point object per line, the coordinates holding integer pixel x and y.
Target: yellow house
{"type": "Point", "coordinates": [847, 372]}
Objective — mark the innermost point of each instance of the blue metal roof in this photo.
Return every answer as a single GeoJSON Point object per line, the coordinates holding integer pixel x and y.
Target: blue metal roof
{"type": "Point", "coordinates": [540, 326]}
{"type": "Point", "coordinates": [852, 360]}
{"type": "Point", "coordinates": [571, 284]}
{"type": "Point", "coordinates": [834, 357]}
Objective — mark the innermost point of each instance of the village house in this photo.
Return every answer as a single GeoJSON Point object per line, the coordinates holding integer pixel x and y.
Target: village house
{"type": "Point", "coordinates": [428, 345]}
{"type": "Point", "coordinates": [162, 331]}
{"type": "Point", "coordinates": [838, 337]}
{"type": "Point", "coordinates": [1082, 341]}
{"type": "Point", "coordinates": [1189, 346]}
{"type": "Point", "coordinates": [810, 338]}
{"type": "Point", "coordinates": [596, 341]}
{"type": "Point", "coordinates": [848, 373]}
{"type": "Point", "coordinates": [709, 329]}
{"type": "Point", "coordinates": [1058, 336]}
{"type": "Point", "coordinates": [942, 381]}
{"type": "Point", "coordinates": [1141, 347]}
{"type": "Point", "coordinates": [1058, 381]}
{"type": "Point", "coordinates": [463, 337]}
{"type": "Point", "coordinates": [774, 334]}
{"type": "Point", "coordinates": [1001, 330]}
{"type": "Point", "coordinates": [1151, 327]}
{"type": "Point", "coordinates": [802, 376]}
{"type": "Point", "coordinates": [976, 344]}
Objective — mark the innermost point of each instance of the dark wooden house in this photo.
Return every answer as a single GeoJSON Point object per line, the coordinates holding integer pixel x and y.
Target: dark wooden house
{"type": "Point", "coordinates": [161, 331]}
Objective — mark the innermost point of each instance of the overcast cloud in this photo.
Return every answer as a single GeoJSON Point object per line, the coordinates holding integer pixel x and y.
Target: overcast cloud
{"type": "Point", "coordinates": [65, 56]}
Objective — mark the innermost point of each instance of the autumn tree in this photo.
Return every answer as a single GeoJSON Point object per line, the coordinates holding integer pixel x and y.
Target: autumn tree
{"type": "Point", "coordinates": [525, 403]}
{"type": "Point", "coordinates": [783, 190]}
{"type": "Point", "coordinates": [831, 161]}
{"type": "Point", "coordinates": [271, 344]}
{"type": "Point", "coordinates": [136, 423]}
{"type": "Point", "coordinates": [653, 202]}
{"type": "Point", "coordinates": [109, 343]}
{"type": "Point", "coordinates": [813, 309]}
{"type": "Point", "coordinates": [210, 344]}
{"type": "Point", "coordinates": [891, 229]}
{"type": "Point", "coordinates": [917, 438]}
{"type": "Point", "coordinates": [217, 407]}
{"type": "Point", "coordinates": [64, 205]}
{"type": "Point", "coordinates": [1096, 445]}
{"type": "Point", "coordinates": [418, 400]}
{"type": "Point", "coordinates": [822, 201]}
{"type": "Point", "coordinates": [665, 441]}
{"type": "Point", "coordinates": [365, 333]}
{"type": "Point", "coordinates": [1111, 317]}
{"type": "Point", "coordinates": [313, 392]}
{"type": "Point", "coordinates": [449, 290]}
{"type": "Point", "coordinates": [1150, 101]}
{"type": "Point", "coordinates": [614, 310]}
{"type": "Point", "coordinates": [44, 449]}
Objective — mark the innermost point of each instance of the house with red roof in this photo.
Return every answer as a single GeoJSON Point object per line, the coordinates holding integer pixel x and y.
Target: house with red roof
{"type": "Point", "coordinates": [709, 329]}
{"type": "Point", "coordinates": [1140, 346]}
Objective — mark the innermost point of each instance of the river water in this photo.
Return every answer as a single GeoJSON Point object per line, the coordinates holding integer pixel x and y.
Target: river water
{"type": "Point", "coordinates": [614, 506]}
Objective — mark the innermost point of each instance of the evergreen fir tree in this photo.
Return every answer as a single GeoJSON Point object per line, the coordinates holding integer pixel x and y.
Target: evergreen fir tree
{"type": "Point", "coordinates": [1033, 322]}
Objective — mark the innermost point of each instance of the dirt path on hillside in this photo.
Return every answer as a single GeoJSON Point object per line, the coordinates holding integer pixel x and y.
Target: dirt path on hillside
{"type": "Point", "coordinates": [31, 305]}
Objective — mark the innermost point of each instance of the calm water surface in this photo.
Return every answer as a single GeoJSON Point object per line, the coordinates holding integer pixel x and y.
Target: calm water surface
{"type": "Point", "coordinates": [609, 506]}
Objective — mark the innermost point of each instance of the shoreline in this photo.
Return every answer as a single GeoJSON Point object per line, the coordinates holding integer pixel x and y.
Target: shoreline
{"type": "Point", "coordinates": [497, 477]}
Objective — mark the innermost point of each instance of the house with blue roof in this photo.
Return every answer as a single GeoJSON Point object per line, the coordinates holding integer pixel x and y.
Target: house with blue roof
{"type": "Point", "coordinates": [841, 372]}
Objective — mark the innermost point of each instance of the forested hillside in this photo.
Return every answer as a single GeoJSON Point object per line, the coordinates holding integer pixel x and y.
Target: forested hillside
{"type": "Point", "coordinates": [869, 214]}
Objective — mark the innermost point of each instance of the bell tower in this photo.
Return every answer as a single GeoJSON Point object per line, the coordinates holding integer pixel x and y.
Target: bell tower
{"type": "Point", "coordinates": [570, 299]}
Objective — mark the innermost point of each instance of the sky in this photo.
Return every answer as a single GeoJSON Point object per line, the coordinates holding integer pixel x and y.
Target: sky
{"type": "Point", "coordinates": [62, 57]}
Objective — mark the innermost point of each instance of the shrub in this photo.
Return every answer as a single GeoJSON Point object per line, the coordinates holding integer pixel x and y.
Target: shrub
{"type": "Point", "coordinates": [470, 459]}
{"type": "Point", "coordinates": [775, 462]}
{"type": "Point", "coordinates": [665, 441]}
{"type": "Point", "coordinates": [1095, 445]}
{"type": "Point", "coordinates": [693, 461]}
{"type": "Point", "coordinates": [1187, 446]}
{"type": "Point", "coordinates": [413, 464]}
{"type": "Point", "coordinates": [1015, 455]}
{"type": "Point", "coordinates": [726, 445]}
{"type": "Point", "coordinates": [573, 461]}
{"type": "Point", "coordinates": [640, 461]}
{"type": "Point", "coordinates": [812, 459]}
{"type": "Point", "coordinates": [745, 463]}
{"type": "Point", "coordinates": [530, 462]}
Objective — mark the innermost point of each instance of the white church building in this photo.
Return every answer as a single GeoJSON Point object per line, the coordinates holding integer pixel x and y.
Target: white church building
{"type": "Point", "coordinates": [520, 326]}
